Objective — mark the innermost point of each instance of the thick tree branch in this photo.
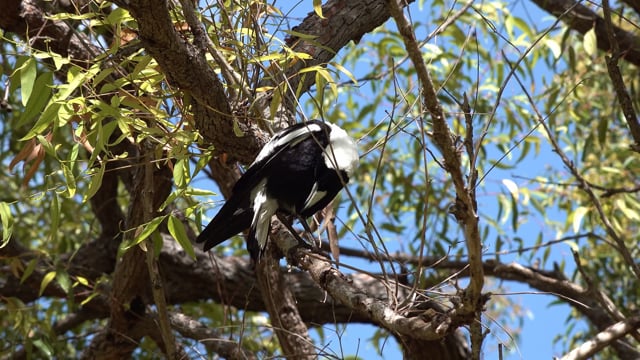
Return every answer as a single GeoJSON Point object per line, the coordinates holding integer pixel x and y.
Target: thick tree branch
{"type": "Point", "coordinates": [187, 69]}
{"type": "Point", "coordinates": [211, 339]}
{"type": "Point", "coordinates": [603, 339]}
{"type": "Point", "coordinates": [582, 19]}
{"type": "Point", "coordinates": [465, 207]}
{"type": "Point", "coordinates": [356, 298]}
{"type": "Point", "coordinates": [285, 316]}
{"type": "Point", "coordinates": [231, 281]}
{"type": "Point", "coordinates": [616, 79]}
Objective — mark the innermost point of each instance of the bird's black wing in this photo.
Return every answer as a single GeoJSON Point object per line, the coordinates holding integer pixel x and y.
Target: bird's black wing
{"type": "Point", "coordinates": [280, 144]}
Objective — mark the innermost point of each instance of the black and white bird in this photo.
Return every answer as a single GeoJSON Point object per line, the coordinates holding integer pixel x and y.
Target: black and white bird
{"type": "Point", "coordinates": [298, 172]}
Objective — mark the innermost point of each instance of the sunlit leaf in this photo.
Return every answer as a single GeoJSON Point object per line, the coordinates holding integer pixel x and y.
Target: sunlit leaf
{"type": "Point", "coordinates": [144, 231]}
{"type": "Point", "coordinates": [578, 215]}
{"type": "Point", "coordinates": [46, 280]}
{"type": "Point", "coordinates": [512, 187]}
{"type": "Point", "coordinates": [27, 79]}
{"type": "Point", "coordinates": [6, 219]}
{"type": "Point", "coordinates": [317, 8]}
{"type": "Point", "coordinates": [590, 42]}
{"type": "Point", "coordinates": [177, 230]}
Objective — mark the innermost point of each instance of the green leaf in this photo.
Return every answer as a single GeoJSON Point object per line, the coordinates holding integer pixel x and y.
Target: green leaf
{"type": "Point", "coordinates": [70, 180]}
{"type": "Point", "coordinates": [6, 219]}
{"type": "Point", "coordinates": [27, 79]}
{"type": "Point", "coordinates": [62, 277]}
{"type": "Point", "coordinates": [89, 298]}
{"type": "Point", "coordinates": [629, 213]}
{"type": "Point", "coordinates": [181, 173]}
{"type": "Point", "coordinates": [44, 121]}
{"type": "Point", "coordinates": [46, 280]}
{"type": "Point", "coordinates": [344, 70]}
{"type": "Point", "coordinates": [148, 229]}
{"type": "Point", "coordinates": [95, 183]}
{"type": "Point", "coordinates": [198, 192]}
{"type": "Point", "coordinates": [54, 214]}
{"type": "Point", "coordinates": [176, 229]}
{"type": "Point", "coordinates": [74, 80]}
{"type": "Point", "coordinates": [44, 347]}
{"type": "Point", "coordinates": [39, 98]}
{"type": "Point", "coordinates": [29, 269]}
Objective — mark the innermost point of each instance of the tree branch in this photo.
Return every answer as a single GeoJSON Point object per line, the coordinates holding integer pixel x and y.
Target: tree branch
{"type": "Point", "coordinates": [582, 19]}
{"type": "Point", "coordinates": [284, 313]}
{"type": "Point", "coordinates": [616, 79]}
{"type": "Point", "coordinates": [465, 207]}
{"type": "Point", "coordinates": [187, 69]}
{"type": "Point", "coordinates": [213, 341]}
{"type": "Point", "coordinates": [603, 339]}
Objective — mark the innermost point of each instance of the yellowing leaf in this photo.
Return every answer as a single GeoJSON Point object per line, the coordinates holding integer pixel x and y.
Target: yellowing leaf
{"type": "Point", "coordinates": [46, 280]}
{"type": "Point", "coordinates": [590, 42]}
{"type": "Point", "coordinates": [317, 8]}
{"type": "Point", "coordinates": [82, 280]}
{"type": "Point", "coordinates": [6, 219]}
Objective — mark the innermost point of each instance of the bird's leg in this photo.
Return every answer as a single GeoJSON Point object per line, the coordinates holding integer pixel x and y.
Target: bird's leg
{"type": "Point", "coordinates": [287, 223]}
{"type": "Point", "coordinates": [306, 227]}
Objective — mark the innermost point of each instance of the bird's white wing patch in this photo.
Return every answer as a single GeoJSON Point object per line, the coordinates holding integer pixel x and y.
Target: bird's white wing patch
{"type": "Point", "coordinates": [314, 197]}
{"type": "Point", "coordinates": [263, 210]}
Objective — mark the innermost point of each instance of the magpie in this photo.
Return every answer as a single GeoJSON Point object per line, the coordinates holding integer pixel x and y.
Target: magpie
{"type": "Point", "coordinates": [298, 172]}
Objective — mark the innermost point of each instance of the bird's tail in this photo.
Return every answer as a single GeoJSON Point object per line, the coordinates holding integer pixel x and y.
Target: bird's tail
{"type": "Point", "coordinates": [254, 248]}
{"type": "Point", "coordinates": [229, 221]}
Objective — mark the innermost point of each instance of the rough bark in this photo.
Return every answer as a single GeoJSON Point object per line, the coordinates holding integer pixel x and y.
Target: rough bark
{"type": "Point", "coordinates": [580, 18]}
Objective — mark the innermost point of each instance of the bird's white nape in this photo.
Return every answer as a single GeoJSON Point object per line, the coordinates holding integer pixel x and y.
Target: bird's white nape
{"type": "Point", "coordinates": [342, 152]}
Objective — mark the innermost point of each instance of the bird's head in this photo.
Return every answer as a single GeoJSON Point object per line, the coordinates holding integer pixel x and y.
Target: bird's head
{"type": "Point", "coordinates": [342, 152]}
